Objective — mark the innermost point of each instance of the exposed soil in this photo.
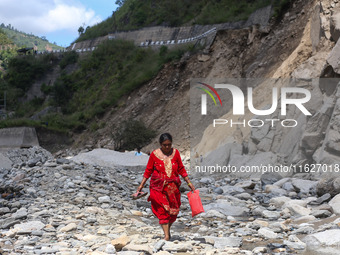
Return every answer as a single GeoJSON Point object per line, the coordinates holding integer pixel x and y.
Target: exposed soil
{"type": "Point", "coordinates": [163, 103]}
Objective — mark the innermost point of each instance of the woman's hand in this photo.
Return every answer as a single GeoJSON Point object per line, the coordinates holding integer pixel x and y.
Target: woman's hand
{"type": "Point", "coordinates": [140, 187]}
{"type": "Point", "coordinates": [191, 186]}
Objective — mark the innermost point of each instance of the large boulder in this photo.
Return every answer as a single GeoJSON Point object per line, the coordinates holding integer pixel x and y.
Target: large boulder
{"type": "Point", "coordinates": [328, 185]}
{"type": "Point", "coordinates": [335, 204]}
{"type": "Point", "coordinates": [5, 162]}
{"type": "Point", "coordinates": [304, 186]}
{"type": "Point", "coordinates": [334, 57]}
{"type": "Point", "coordinates": [335, 25]}
{"type": "Point", "coordinates": [326, 238]}
{"type": "Point", "coordinates": [228, 208]}
{"type": "Point", "coordinates": [270, 178]}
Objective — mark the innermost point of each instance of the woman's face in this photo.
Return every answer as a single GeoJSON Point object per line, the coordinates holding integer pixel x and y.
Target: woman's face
{"type": "Point", "coordinates": [166, 146]}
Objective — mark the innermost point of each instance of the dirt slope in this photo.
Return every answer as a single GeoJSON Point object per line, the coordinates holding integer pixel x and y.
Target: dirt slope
{"type": "Point", "coordinates": [163, 103]}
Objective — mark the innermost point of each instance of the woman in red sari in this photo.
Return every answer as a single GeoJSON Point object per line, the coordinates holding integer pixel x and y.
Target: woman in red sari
{"type": "Point", "coordinates": [164, 166]}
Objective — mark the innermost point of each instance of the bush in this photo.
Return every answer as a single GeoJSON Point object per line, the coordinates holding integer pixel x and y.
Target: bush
{"type": "Point", "coordinates": [24, 70]}
{"type": "Point", "coordinates": [112, 71]}
{"type": "Point", "coordinates": [18, 123]}
{"type": "Point", "coordinates": [62, 91]}
{"type": "Point", "coordinates": [280, 7]}
{"type": "Point", "coordinates": [132, 134]}
{"type": "Point", "coordinates": [68, 59]}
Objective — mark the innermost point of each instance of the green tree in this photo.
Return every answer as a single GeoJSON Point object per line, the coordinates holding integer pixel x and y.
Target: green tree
{"type": "Point", "coordinates": [81, 30]}
{"type": "Point", "coordinates": [119, 3]}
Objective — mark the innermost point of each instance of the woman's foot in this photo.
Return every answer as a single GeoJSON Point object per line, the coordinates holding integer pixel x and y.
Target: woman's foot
{"type": "Point", "coordinates": [166, 231]}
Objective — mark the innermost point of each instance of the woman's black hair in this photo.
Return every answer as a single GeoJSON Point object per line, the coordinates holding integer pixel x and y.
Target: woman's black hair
{"type": "Point", "coordinates": [164, 137]}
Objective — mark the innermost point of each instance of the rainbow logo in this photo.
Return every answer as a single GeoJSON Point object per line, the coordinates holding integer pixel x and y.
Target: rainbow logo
{"type": "Point", "coordinates": [209, 93]}
{"type": "Point", "coordinates": [204, 97]}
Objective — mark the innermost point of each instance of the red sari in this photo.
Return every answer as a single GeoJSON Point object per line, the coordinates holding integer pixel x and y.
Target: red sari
{"type": "Point", "coordinates": [165, 196]}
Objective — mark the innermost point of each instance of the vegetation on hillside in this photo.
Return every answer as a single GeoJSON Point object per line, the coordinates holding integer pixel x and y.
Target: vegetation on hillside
{"type": "Point", "coordinates": [4, 40]}
{"type": "Point", "coordinates": [103, 78]}
{"type": "Point", "coordinates": [107, 75]}
{"type": "Point", "coordinates": [132, 134]}
{"type": "Point", "coordinates": [21, 74]}
{"type": "Point", "coordinates": [7, 51]}
{"type": "Point", "coordinates": [135, 14]}
{"type": "Point", "coordinates": [11, 40]}
{"type": "Point", "coordinates": [22, 39]}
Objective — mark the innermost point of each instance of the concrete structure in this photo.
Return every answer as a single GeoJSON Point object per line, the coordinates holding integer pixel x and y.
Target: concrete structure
{"type": "Point", "coordinates": [171, 36]}
{"type": "Point", "coordinates": [18, 137]}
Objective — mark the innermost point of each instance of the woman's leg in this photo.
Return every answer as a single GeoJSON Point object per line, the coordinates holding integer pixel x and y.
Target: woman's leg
{"type": "Point", "coordinates": [166, 230]}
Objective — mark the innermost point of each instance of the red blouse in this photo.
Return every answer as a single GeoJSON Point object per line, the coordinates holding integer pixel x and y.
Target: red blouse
{"type": "Point", "coordinates": [167, 166]}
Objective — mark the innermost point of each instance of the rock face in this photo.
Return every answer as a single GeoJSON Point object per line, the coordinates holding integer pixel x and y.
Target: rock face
{"type": "Point", "coordinates": [325, 238]}
{"type": "Point", "coordinates": [328, 185]}
{"type": "Point", "coordinates": [335, 24]}
{"type": "Point", "coordinates": [312, 147]}
{"type": "Point", "coordinates": [6, 163]}
{"type": "Point", "coordinates": [335, 204]}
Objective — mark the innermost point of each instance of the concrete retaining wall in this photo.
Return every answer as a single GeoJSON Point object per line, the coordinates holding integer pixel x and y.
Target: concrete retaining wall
{"type": "Point", "coordinates": [19, 137]}
{"type": "Point", "coordinates": [157, 36]}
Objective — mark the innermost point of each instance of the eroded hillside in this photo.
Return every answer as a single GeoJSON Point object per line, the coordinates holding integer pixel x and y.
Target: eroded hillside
{"type": "Point", "coordinates": [163, 103]}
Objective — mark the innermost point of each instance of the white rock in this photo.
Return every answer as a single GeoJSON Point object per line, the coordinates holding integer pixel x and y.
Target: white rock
{"type": "Point", "coordinates": [304, 186]}
{"type": "Point", "coordinates": [69, 227]}
{"type": "Point", "coordinates": [279, 201]}
{"type": "Point", "coordinates": [305, 219]}
{"type": "Point", "coordinates": [295, 243]}
{"type": "Point", "coordinates": [104, 199]}
{"type": "Point", "coordinates": [272, 215]}
{"type": "Point", "coordinates": [261, 250]}
{"type": "Point", "coordinates": [29, 226]}
{"type": "Point", "coordinates": [223, 242]}
{"type": "Point", "coordinates": [326, 238]}
{"type": "Point", "coordinates": [335, 204]}
{"type": "Point", "coordinates": [180, 247]}
{"type": "Point", "coordinates": [212, 214]}
{"type": "Point", "coordinates": [299, 210]}
{"type": "Point", "coordinates": [138, 247]}
{"type": "Point", "coordinates": [290, 202]}
{"type": "Point", "coordinates": [267, 233]}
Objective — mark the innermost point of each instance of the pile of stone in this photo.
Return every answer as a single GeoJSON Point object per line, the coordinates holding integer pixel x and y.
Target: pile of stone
{"type": "Point", "coordinates": [64, 207]}
{"type": "Point", "coordinates": [30, 156]}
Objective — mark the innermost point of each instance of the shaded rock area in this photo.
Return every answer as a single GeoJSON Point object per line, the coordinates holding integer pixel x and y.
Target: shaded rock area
{"type": "Point", "coordinates": [58, 206]}
{"type": "Point", "coordinates": [313, 145]}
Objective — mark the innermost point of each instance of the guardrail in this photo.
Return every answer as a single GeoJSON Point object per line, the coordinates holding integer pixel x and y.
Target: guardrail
{"type": "Point", "coordinates": [180, 41]}
{"type": "Point", "coordinates": [65, 50]}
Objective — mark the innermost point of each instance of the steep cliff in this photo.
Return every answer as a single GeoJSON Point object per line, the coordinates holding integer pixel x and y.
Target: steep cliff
{"type": "Point", "coordinates": [309, 32]}
{"type": "Point", "coordinates": [303, 45]}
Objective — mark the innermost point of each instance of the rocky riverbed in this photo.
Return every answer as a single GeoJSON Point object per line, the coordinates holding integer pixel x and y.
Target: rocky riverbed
{"type": "Point", "coordinates": [63, 206]}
